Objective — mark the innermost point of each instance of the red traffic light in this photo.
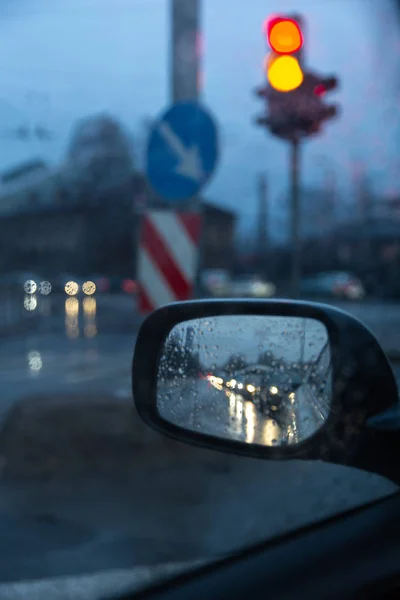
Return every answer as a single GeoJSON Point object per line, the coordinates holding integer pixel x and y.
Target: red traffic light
{"type": "Point", "coordinates": [284, 35]}
{"type": "Point", "coordinates": [319, 89]}
{"type": "Point", "coordinates": [325, 85]}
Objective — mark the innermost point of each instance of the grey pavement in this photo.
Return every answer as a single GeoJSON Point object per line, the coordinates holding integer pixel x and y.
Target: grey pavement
{"type": "Point", "coordinates": [171, 502]}
{"type": "Point", "coordinates": [75, 345]}
{"type": "Point", "coordinates": [383, 318]}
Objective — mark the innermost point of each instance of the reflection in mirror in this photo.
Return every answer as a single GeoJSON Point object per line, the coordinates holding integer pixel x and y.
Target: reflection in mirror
{"type": "Point", "coordinates": [256, 379]}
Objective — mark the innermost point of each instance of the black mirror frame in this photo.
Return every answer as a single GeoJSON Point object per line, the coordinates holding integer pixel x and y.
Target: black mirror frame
{"type": "Point", "coordinates": [363, 381]}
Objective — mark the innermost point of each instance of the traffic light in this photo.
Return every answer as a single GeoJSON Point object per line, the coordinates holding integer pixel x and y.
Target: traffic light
{"type": "Point", "coordinates": [283, 65]}
{"type": "Point", "coordinates": [316, 87]}
{"type": "Point", "coordinates": [294, 97]}
{"type": "Point", "coordinates": [300, 113]}
{"type": "Point", "coordinates": [321, 86]}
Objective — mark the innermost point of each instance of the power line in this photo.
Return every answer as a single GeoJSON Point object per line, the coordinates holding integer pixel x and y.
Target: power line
{"type": "Point", "coordinates": [96, 9]}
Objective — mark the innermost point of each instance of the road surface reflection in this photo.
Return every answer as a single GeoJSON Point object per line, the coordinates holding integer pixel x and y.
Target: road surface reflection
{"type": "Point", "coordinates": [242, 411]}
{"type": "Point", "coordinates": [73, 308]}
{"type": "Point", "coordinates": [245, 419]}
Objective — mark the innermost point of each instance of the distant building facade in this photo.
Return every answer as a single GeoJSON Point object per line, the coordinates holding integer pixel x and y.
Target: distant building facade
{"type": "Point", "coordinates": [53, 218]}
{"type": "Point", "coordinates": [219, 238]}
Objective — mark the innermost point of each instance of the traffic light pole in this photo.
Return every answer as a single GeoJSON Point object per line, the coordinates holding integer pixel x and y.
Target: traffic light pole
{"type": "Point", "coordinates": [295, 110]}
{"type": "Point", "coordinates": [295, 218]}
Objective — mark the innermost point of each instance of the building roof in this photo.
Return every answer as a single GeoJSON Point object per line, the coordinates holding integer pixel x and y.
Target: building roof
{"type": "Point", "coordinates": [214, 208]}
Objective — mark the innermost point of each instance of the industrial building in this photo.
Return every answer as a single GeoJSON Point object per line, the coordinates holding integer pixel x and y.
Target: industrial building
{"type": "Point", "coordinates": [64, 227]}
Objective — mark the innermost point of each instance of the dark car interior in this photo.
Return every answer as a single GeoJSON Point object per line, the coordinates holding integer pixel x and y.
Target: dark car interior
{"type": "Point", "coordinates": [354, 555]}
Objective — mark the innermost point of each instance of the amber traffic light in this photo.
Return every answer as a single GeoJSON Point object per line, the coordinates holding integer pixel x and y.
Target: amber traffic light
{"type": "Point", "coordinates": [282, 67]}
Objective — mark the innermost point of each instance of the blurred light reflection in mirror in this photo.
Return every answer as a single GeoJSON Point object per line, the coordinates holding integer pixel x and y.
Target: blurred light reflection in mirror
{"type": "Point", "coordinates": [262, 380]}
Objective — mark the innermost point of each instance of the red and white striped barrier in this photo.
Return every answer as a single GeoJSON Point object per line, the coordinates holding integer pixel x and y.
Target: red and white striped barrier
{"type": "Point", "coordinates": [168, 257]}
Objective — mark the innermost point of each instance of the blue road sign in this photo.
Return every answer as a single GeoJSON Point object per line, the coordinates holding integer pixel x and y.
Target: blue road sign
{"type": "Point", "coordinates": [182, 151]}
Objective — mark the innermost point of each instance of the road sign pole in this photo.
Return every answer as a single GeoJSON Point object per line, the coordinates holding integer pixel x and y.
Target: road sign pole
{"type": "Point", "coordinates": [181, 156]}
{"type": "Point", "coordinates": [185, 55]}
{"type": "Point", "coordinates": [299, 114]}
{"type": "Point", "coordinates": [186, 70]}
{"type": "Point", "coordinates": [295, 218]}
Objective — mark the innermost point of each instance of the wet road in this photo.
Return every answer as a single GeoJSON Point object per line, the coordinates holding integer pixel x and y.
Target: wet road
{"type": "Point", "coordinates": [176, 502]}
{"type": "Point", "coordinates": [69, 345]}
{"type": "Point", "coordinates": [209, 408]}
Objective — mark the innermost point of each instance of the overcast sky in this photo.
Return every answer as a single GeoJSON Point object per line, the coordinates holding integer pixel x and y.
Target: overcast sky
{"type": "Point", "coordinates": [63, 59]}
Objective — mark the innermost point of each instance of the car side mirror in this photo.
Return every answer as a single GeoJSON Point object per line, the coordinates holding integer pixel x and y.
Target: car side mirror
{"type": "Point", "coordinates": [268, 379]}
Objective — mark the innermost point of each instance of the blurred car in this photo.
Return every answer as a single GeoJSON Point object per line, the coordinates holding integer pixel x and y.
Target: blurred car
{"type": "Point", "coordinates": [341, 285]}
{"type": "Point", "coordinates": [115, 284]}
{"type": "Point", "coordinates": [66, 283]}
{"type": "Point", "coordinates": [252, 286]}
{"type": "Point", "coordinates": [25, 282]}
{"type": "Point", "coordinates": [74, 285]}
{"type": "Point", "coordinates": [216, 282]}
{"type": "Point", "coordinates": [271, 393]}
{"type": "Point", "coordinates": [71, 284]}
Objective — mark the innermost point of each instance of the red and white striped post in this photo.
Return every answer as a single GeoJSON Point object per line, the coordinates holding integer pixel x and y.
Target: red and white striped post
{"type": "Point", "coordinates": [168, 257]}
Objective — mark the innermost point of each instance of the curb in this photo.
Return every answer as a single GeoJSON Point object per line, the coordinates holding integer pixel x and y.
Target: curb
{"type": "Point", "coordinates": [46, 437]}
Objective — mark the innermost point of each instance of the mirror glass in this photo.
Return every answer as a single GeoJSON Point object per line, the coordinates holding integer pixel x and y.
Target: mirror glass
{"type": "Point", "coordinates": [256, 379]}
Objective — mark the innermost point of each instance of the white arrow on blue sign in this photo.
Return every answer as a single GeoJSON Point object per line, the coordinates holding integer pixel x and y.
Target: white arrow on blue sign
{"type": "Point", "coordinates": [182, 151]}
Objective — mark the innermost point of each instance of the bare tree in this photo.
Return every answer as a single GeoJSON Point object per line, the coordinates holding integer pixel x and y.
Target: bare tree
{"type": "Point", "coordinates": [102, 153]}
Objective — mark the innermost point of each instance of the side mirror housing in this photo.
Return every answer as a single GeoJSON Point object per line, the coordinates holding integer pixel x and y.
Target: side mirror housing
{"type": "Point", "coordinates": [268, 379]}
